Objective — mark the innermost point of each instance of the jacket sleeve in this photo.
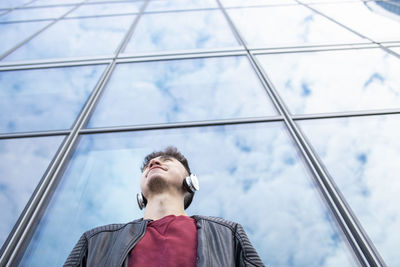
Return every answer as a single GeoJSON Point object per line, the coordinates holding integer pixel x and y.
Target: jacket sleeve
{"type": "Point", "coordinates": [246, 254]}
{"type": "Point", "coordinates": [78, 255]}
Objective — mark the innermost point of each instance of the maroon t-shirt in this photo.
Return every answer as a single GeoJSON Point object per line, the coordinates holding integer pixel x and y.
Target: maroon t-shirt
{"type": "Point", "coordinates": [169, 241]}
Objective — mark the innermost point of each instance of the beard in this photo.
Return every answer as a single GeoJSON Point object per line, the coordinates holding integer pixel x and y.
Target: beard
{"type": "Point", "coordinates": [157, 185]}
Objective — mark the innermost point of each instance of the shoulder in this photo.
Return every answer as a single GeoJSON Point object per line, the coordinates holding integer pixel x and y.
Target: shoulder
{"type": "Point", "coordinates": [217, 220]}
{"type": "Point", "coordinates": [109, 228]}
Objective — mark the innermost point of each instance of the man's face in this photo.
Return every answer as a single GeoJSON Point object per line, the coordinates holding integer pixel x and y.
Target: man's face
{"type": "Point", "coordinates": [162, 173]}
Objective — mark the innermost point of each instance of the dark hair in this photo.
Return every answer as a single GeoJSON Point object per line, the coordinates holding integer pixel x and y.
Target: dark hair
{"type": "Point", "coordinates": [173, 152]}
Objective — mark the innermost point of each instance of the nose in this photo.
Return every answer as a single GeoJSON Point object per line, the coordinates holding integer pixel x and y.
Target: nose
{"type": "Point", "coordinates": [154, 161]}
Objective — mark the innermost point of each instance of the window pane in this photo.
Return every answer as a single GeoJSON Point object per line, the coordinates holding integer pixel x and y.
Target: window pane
{"type": "Point", "coordinates": [248, 173]}
{"type": "Point", "coordinates": [8, 37]}
{"type": "Point", "coordinates": [244, 3]}
{"type": "Point", "coordinates": [371, 21]}
{"type": "Point", "coordinates": [362, 155]}
{"type": "Point", "coordinates": [76, 37]}
{"type": "Point", "coordinates": [54, 2]}
{"type": "Point", "coordinates": [297, 26]}
{"type": "Point", "coordinates": [182, 90]}
{"type": "Point", "coordinates": [12, 3]}
{"type": "Point", "coordinates": [44, 99]}
{"type": "Point", "coordinates": [189, 30]}
{"type": "Point", "coordinates": [35, 13]}
{"type": "Point", "coordinates": [22, 165]}
{"type": "Point", "coordinates": [106, 9]}
{"type": "Point", "coordinates": [334, 81]}
{"type": "Point", "coordinates": [161, 5]}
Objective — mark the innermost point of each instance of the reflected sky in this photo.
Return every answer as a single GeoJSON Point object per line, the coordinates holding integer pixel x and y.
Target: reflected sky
{"type": "Point", "coordinates": [22, 164]}
{"type": "Point", "coordinates": [162, 5]}
{"type": "Point", "coordinates": [290, 25]}
{"type": "Point", "coordinates": [106, 9]}
{"type": "Point", "coordinates": [8, 37]}
{"type": "Point", "coordinates": [244, 3]}
{"type": "Point", "coordinates": [12, 3]}
{"type": "Point", "coordinates": [248, 173]}
{"type": "Point", "coordinates": [182, 90]}
{"type": "Point", "coordinates": [380, 26]}
{"type": "Point", "coordinates": [35, 13]}
{"type": "Point", "coordinates": [335, 81]}
{"type": "Point", "coordinates": [54, 2]}
{"type": "Point", "coordinates": [44, 99]}
{"type": "Point", "coordinates": [190, 30]}
{"type": "Point", "coordinates": [76, 37]}
{"type": "Point", "coordinates": [362, 155]}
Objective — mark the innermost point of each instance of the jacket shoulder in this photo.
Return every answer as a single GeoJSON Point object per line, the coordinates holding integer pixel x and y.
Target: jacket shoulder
{"type": "Point", "coordinates": [107, 228]}
{"type": "Point", "coordinates": [217, 220]}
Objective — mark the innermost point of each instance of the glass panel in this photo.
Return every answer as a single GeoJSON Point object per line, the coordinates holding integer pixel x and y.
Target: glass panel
{"type": "Point", "coordinates": [248, 173]}
{"type": "Point", "coordinates": [161, 5]}
{"type": "Point", "coordinates": [76, 37]}
{"type": "Point", "coordinates": [244, 3]}
{"type": "Point", "coordinates": [54, 2]}
{"type": "Point", "coordinates": [372, 20]}
{"type": "Point", "coordinates": [22, 165]}
{"type": "Point", "coordinates": [182, 90]}
{"type": "Point", "coordinates": [35, 13]}
{"type": "Point", "coordinates": [8, 37]}
{"type": "Point", "coordinates": [396, 49]}
{"type": "Point", "coordinates": [106, 9]}
{"type": "Point", "coordinates": [189, 30]}
{"type": "Point", "coordinates": [297, 26]}
{"type": "Point", "coordinates": [334, 81]}
{"type": "Point", "coordinates": [44, 99]}
{"type": "Point", "coordinates": [362, 155]}
{"type": "Point", "coordinates": [12, 3]}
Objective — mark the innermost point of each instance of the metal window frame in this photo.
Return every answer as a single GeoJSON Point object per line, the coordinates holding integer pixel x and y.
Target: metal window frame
{"type": "Point", "coordinates": [357, 238]}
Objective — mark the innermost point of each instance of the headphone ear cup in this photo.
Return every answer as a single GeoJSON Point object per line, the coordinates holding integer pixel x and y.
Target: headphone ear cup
{"type": "Point", "coordinates": [141, 200]}
{"type": "Point", "coordinates": [191, 183]}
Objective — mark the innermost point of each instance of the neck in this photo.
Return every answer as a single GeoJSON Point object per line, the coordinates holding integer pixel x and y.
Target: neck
{"type": "Point", "coordinates": [164, 204]}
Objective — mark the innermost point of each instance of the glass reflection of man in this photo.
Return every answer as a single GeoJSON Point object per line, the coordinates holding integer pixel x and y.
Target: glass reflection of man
{"type": "Point", "coordinates": [166, 236]}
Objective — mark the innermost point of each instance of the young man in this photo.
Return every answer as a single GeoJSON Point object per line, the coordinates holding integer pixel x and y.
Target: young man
{"type": "Point", "coordinates": [166, 236]}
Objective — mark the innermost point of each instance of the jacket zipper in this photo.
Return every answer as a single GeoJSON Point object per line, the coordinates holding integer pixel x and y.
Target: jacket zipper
{"type": "Point", "coordinates": [132, 244]}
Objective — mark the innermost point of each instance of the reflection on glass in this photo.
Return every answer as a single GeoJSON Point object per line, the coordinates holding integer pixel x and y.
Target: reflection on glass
{"type": "Point", "coordinates": [12, 3]}
{"type": "Point", "coordinates": [44, 99]}
{"type": "Point", "coordinates": [34, 13]}
{"type": "Point", "coordinates": [396, 49]}
{"type": "Point", "coordinates": [22, 164]}
{"type": "Point", "coordinates": [248, 173]}
{"type": "Point", "coordinates": [8, 37]}
{"type": "Point", "coordinates": [334, 81]}
{"type": "Point", "coordinates": [182, 90]}
{"type": "Point", "coordinates": [161, 5]}
{"type": "Point", "coordinates": [297, 26]}
{"type": "Point", "coordinates": [362, 155]}
{"type": "Point", "coordinates": [76, 37]}
{"type": "Point", "coordinates": [190, 30]}
{"type": "Point", "coordinates": [54, 2]}
{"type": "Point", "coordinates": [371, 20]}
{"type": "Point", "coordinates": [106, 9]}
{"type": "Point", "coordinates": [244, 3]}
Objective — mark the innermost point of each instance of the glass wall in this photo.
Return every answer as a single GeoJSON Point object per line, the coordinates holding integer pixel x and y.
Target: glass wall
{"type": "Point", "coordinates": [88, 88]}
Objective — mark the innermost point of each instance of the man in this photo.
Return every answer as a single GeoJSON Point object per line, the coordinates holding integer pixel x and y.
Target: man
{"type": "Point", "coordinates": [166, 236]}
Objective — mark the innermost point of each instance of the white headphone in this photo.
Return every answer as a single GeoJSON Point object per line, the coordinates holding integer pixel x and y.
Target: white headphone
{"type": "Point", "coordinates": [190, 183]}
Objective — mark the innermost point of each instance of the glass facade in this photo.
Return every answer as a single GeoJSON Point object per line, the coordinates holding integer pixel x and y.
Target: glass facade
{"type": "Point", "coordinates": [288, 112]}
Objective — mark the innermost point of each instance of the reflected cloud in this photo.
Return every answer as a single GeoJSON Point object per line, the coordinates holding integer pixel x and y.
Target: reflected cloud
{"type": "Point", "coordinates": [248, 173]}
{"type": "Point", "coordinates": [29, 158]}
{"type": "Point", "coordinates": [44, 99]}
{"type": "Point", "coordinates": [298, 25]}
{"type": "Point", "coordinates": [367, 22]}
{"type": "Point", "coordinates": [246, 3]}
{"type": "Point", "coordinates": [162, 91]}
{"type": "Point", "coordinates": [190, 30]}
{"type": "Point", "coordinates": [163, 5]}
{"type": "Point", "coordinates": [362, 156]}
{"type": "Point", "coordinates": [76, 37]}
{"type": "Point", "coordinates": [107, 9]}
{"type": "Point", "coordinates": [24, 30]}
{"type": "Point", "coordinates": [34, 13]}
{"type": "Point", "coordinates": [335, 81]}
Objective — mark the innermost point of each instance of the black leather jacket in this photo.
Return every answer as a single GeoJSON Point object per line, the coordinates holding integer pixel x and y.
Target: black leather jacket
{"type": "Point", "coordinates": [220, 243]}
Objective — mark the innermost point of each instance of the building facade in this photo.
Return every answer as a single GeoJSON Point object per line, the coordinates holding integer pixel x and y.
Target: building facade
{"type": "Point", "coordinates": [288, 112]}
